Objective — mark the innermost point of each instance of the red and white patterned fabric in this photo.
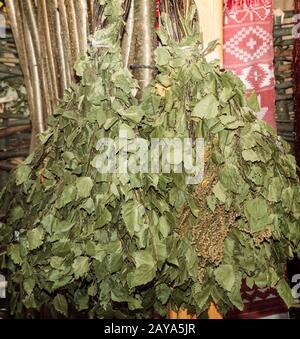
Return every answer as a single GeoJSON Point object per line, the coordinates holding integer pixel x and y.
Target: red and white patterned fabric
{"type": "Point", "coordinates": [248, 49]}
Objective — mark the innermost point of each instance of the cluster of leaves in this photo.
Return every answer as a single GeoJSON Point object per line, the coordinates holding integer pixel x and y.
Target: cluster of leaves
{"type": "Point", "coordinates": [254, 182]}
{"type": "Point", "coordinates": [109, 245]}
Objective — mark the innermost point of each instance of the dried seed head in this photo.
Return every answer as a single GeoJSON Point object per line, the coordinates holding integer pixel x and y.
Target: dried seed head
{"type": "Point", "coordinates": [262, 236]}
{"type": "Point", "coordinates": [211, 229]}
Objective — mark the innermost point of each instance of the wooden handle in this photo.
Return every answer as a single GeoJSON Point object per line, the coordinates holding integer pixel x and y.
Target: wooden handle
{"type": "Point", "coordinates": [211, 20]}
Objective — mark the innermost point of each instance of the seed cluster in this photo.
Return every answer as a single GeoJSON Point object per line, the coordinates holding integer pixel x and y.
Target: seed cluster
{"type": "Point", "coordinates": [201, 273]}
{"type": "Point", "coordinates": [209, 235]}
{"type": "Point", "coordinates": [262, 236]}
{"type": "Point", "coordinates": [211, 229]}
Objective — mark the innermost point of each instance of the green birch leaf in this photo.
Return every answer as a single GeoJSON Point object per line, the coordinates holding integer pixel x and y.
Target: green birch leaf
{"type": "Point", "coordinates": [162, 56]}
{"type": "Point", "coordinates": [115, 262]}
{"type": "Point", "coordinates": [84, 187]}
{"type": "Point", "coordinates": [14, 252]}
{"type": "Point", "coordinates": [207, 108]}
{"type": "Point", "coordinates": [256, 211]}
{"type": "Point", "coordinates": [60, 227]}
{"type": "Point", "coordinates": [35, 238]}
{"type": "Point", "coordinates": [164, 227]}
{"type": "Point", "coordinates": [92, 290]}
{"type": "Point", "coordinates": [88, 206]}
{"type": "Point", "coordinates": [285, 292]}
{"type": "Point", "coordinates": [134, 113]}
{"type": "Point", "coordinates": [212, 202]}
{"type": "Point", "coordinates": [225, 277]}
{"type": "Point", "coordinates": [145, 269]}
{"type": "Point", "coordinates": [80, 267]}
{"type": "Point", "coordinates": [236, 297]}
{"type": "Point", "coordinates": [275, 190]}
{"type": "Point", "coordinates": [56, 262]}
{"type": "Point", "coordinates": [230, 178]}
{"type": "Point", "coordinates": [288, 197]}
{"type": "Point", "coordinates": [16, 214]}
{"type": "Point", "coordinates": [63, 282]}
{"type": "Point", "coordinates": [82, 302]}
{"type": "Point", "coordinates": [61, 305]}
{"type": "Point", "coordinates": [253, 103]}
{"type": "Point", "coordinates": [68, 195]}
{"type": "Point", "coordinates": [163, 293]}
{"type": "Point", "coordinates": [22, 174]}
{"type": "Point", "coordinates": [29, 285]}
{"type": "Point", "coordinates": [220, 192]}
{"type": "Point", "coordinates": [250, 155]}
{"type": "Point", "coordinates": [133, 213]}
{"type": "Point", "coordinates": [104, 219]}
{"type": "Point", "coordinates": [226, 94]}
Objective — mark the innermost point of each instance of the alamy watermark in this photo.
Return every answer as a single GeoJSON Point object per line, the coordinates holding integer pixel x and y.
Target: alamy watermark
{"type": "Point", "coordinates": [296, 288]}
{"type": "Point", "coordinates": [126, 155]}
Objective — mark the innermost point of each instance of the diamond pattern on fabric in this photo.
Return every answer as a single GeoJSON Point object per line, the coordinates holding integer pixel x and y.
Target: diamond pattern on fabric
{"type": "Point", "coordinates": [249, 44]}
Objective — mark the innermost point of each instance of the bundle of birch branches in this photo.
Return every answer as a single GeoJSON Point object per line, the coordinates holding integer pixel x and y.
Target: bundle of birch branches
{"type": "Point", "coordinates": [49, 35]}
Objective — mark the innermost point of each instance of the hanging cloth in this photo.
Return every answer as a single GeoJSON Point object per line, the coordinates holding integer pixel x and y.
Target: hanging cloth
{"type": "Point", "coordinates": [238, 4]}
{"type": "Point", "coordinates": [248, 50]}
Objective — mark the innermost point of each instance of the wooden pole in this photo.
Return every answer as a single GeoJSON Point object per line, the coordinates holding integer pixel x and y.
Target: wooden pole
{"type": "Point", "coordinates": [127, 43]}
{"type": "Point", "coordinates": [81, 9]}
{"type": "Point", "coordinates": [38, 124]}
{"type": "Point", "coordinates": [145, 42]}
{"type": "Point", "coordinates": [66, 41]}
{"type": "Point", "coordinates": [15, 18]}
{"type": "Point", "coordinates": [5, 132]}
{"type": "Point", "coordinates": [49, 36]}
{"type": "Point", "coordinates": [44, 21]}
{"type": "Point", "coordinates": [211, 20]}
{"type": "Point", "coordinates": [72, 22]}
